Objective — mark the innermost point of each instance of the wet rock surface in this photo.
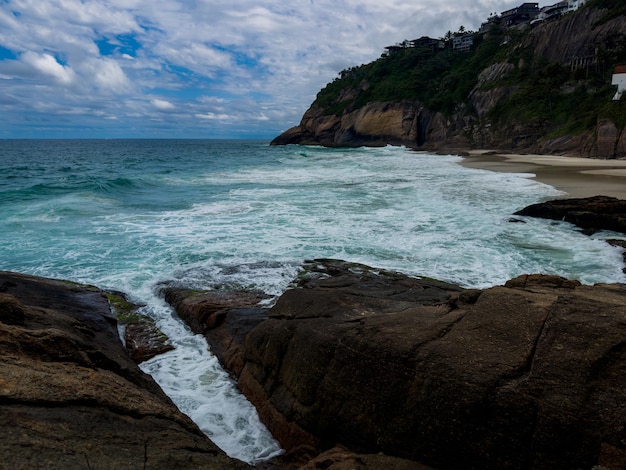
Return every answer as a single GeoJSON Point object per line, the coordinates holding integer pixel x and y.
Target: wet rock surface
{"type": "Point", "coordinates": [142, 339]}
{"type": "Point", "coordinates": [71, 397]}
{"type": "Point", "coordinates": [530, 374]}
{"type": "Point", "coordinates": [591, 214]}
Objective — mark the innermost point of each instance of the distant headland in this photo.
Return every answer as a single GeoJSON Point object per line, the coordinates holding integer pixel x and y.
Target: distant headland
{"type": "Point", "coordinates": [532, 80]}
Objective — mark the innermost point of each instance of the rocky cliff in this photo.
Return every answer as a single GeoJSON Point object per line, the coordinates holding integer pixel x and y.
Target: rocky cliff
{"type": "Point", "coordinates": [376, 124]}
{"type": "Point", "coordinates": [528, 375]}
{"type": "Point", "coordinates": [71, 397]}
{"type": "Point", "coordinates": [545, 90]}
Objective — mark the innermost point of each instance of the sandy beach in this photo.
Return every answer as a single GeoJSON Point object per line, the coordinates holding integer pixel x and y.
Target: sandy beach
{"type": "Point", "coordinates": [578, 177]}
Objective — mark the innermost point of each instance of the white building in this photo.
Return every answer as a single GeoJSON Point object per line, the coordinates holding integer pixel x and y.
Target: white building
{"type": "Point", "coordinates": [573, 5]}
{"type": "Point", "coordinates": [463, 43]}
{"type": "Point", "coordinates": [552, 12]}
{"type": "Point", "coordinates": [619, 79]}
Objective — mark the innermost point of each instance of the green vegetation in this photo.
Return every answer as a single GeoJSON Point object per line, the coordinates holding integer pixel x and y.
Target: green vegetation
{"type": "Point", "coordinates": [125, 311]}
{"type": "Point", "coordinates": [615, 111]}
{"type": "Point", "coordinates": [441, 80]}
{"type": "Point", "coordinates": [555, 98]}
{"type": "Point", "coordinates": [128, 315]}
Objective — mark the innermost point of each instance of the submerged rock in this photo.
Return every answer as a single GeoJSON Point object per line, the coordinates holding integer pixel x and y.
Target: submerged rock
{"type": "Point", "coordinates": [531, 374]}
{"type": "Point", "coordinates": [71, 397]}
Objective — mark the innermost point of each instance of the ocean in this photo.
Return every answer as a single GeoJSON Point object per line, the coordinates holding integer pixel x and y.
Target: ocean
{"type": "Point", "coordinates": [130, 214]}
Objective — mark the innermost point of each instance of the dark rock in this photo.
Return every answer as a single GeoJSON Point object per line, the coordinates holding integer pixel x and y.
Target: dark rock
{"type": "Point", "coordinates": [11, 312]}
{"type": "Point", "coordinates": [224, 317]}
{"type": "Point", "coordinates": [621, 244]}
{"type": "Point", "coordinates": [526, 375]}
{"type": "Point", "coordinates": [70, 396]}
{"type": "Point", "coordinates": [592, 213]}
{"type": "Point", "coordinates": [342, 459]}
{"type": "Point", "coordinates": [143, 340]}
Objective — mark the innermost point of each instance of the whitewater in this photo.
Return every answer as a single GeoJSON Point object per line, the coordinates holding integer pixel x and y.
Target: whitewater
{"type": "Point", "coordinates": [129, 215]}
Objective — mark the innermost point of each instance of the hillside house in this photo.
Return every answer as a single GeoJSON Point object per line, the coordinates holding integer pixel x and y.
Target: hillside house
{"type": "Point", "coordinates": [430, 43]}
{"type": "Point", "coordinates": [551, 12]}
{"type": "Point", "coordinates": [619, 79]}
{"type": "Point", "coordinates": [393, 49]}
{"type": "Point", "coordinates": [463, 43]}
{"type": "Point", "coordinates": [397, 47]}
{"type": "Point", "coordinates": [574, 5]}
{"type": "Point", "coordinates": [434, 45]}
{"type": "Point", "coordinates": [493, 21]}
{"type": "Point", "coordinates": [524, 13]}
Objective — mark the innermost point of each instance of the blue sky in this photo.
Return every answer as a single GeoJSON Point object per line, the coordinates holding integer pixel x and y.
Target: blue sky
{"type": "Point", "coordinates": [194, 68]}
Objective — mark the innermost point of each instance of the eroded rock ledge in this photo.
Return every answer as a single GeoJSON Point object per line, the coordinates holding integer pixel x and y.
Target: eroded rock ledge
{"type": "Point", "coordinates": [531, 374]}
{"type": "Point", "coordinates": [71, 397]}
{"type": "Point", "coordinates": [591, 213]}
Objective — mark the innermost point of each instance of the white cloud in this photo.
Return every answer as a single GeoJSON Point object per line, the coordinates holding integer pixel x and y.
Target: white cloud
{"type": "Point", "coordinates": [105, 74]}
{"type": "Point", "coordinates": [214, 117]}
{"type": "Point", "coordinates": [48, 66]}
{"type": "Point", "coordinates": [163, 105]}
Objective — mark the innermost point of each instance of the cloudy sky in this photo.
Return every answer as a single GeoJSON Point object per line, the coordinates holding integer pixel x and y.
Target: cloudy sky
{"type": "Point", "coordinates": [194, 68]}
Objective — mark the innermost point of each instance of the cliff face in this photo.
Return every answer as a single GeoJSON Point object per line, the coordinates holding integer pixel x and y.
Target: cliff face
{"type": "Point", "coordinates": [375, 124]}
{"type": "Point", "coordinates": [562, 69]}
{"type": "Point", "coordinates": [578, 36]}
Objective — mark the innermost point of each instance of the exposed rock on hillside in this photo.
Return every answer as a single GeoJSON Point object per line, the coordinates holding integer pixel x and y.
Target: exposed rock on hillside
{"type": "Point", "coordinates": [70, 396]}
{"type": "Point", "coordinates": [577, 36]}
{"type": "Point", "coordinates": [376, 124]}
{"type": "Point", "coordinates": [526, 375]}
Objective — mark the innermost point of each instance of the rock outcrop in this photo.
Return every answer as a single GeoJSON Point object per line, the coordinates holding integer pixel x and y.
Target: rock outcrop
{"type": "Point", "coordinates": [526, 375]}
{"type": "Point", "coordinates": [70, 396]}
{"type": "Point", "coordinates": [591, 214]}
{"type": "Point", "coordinates": [376, 124]}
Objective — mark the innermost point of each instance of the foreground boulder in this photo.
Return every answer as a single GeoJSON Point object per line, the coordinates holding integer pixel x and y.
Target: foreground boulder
{"type": "Point", "coordinates": [529, 375]}
{"type": "Point", "coordinates": [70, 396]}
{"type": "Point", "coordinates": [591, 214]}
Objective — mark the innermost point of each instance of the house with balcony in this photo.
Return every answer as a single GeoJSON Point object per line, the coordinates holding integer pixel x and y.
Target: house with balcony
{"type": "Point", "coordinates": [524, 13]}
{"type": "Point", "coordinates": [429, 43]}
{"type": "Point", "coordinates": [434, 45]}
{"type": "Point", "coordinates": [463, 43]}
{"type": "Point", "coordinates": [573, 5]}
{"type": "Point", "coordinates": [551, 12]}
{"type": "Point", "coordinates": [493, 21]}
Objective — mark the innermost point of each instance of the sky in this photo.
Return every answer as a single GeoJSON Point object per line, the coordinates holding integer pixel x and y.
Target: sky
{"type": "Point", "coordinates": [194, 68]}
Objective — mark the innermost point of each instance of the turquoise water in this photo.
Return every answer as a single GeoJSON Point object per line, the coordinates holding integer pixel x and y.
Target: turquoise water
{"type": "Point", "coordinates": [128, 214]}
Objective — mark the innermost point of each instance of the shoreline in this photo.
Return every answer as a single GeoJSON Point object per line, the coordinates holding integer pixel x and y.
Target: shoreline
{"type": "Point", "coordinates": [578, 177]}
